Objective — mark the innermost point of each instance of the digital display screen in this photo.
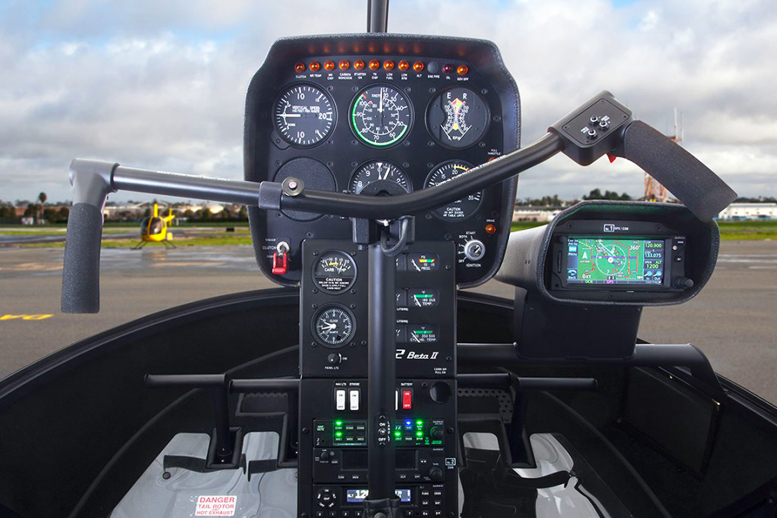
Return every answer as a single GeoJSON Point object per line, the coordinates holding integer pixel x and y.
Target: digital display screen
{"type": "Point", "coordinates": [594, 260]}
{"type": "Point", "coordinates": [355, 496]}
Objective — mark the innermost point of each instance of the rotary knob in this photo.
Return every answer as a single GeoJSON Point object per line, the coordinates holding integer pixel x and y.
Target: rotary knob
{"type": "Point", "coordinates": [474, 250]}
{"type": "Point", "coordinates": [436, 474]}
{"type": "Point", "coordinates": [436, 433]}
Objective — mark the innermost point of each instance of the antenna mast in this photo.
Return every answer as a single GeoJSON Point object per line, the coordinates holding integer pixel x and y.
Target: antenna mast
{"type": "Point", "coordinates": [654, 191]}
{"type": "Point", "coordinates": [377, 15]}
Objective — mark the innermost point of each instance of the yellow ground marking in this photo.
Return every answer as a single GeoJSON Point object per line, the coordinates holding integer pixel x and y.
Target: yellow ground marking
{"type": "Point", "coordinates": [25, 317]}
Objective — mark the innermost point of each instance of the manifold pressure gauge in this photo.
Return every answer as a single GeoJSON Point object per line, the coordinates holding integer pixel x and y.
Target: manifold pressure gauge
{"type": "Point", "coordinates": [334, 325]}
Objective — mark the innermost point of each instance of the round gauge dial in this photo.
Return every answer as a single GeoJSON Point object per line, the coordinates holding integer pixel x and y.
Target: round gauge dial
{"type": "Point", "coordinates": [381, 115]}
{"type": "Point", "coordinates": [457, 118]}
{"type": "Point", "coordinates": [378, 172]}
{"type": "Point", "coordinates": [459, 209]}
{"type": "Point", "coordinates": [334, 325]}
{"type": "Point", "coordinates": [304, 115]}
{"type": "Point", "coordinates": [334, 272]}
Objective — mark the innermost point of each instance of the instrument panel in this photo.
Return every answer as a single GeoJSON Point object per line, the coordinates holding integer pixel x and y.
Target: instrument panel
{"type": "Point", "coordinates": [382, 115]}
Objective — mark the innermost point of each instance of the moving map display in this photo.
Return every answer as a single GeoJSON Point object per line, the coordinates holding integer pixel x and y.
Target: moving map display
{"type": "Point", "coordinates": [592, 260]}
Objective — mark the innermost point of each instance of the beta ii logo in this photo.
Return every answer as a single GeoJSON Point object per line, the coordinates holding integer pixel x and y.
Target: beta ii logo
{"type": "Point", "coordinates": [404, 354]}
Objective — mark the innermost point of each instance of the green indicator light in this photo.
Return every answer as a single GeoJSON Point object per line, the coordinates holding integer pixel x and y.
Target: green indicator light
{"type": "Point", "coordinates": [419, 434]}
{"type": "Point", "coordinates": [397, 434]}
{"type": "Point", "coordinates": [339, 434]}
{"type": "Point", "coordinates": [419, 423]}
{"type": "Point", "coordinates": [339, 423]}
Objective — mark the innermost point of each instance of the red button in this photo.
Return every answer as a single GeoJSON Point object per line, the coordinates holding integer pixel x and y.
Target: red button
{"type": "Point", "coordinates": [407, 400]}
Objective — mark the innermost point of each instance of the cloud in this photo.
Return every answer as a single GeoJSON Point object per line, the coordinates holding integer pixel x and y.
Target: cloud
{"type": "Point", "coordinates": [162, 84]}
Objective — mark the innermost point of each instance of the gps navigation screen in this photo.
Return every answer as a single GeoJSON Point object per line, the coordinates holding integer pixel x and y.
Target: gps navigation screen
{"type": "Point", "coordinates": [615, 261]}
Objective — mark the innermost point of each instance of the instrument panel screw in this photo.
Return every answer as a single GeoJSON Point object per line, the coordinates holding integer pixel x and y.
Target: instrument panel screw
{"type": "Point", "coordinates": [497, 118]}
{"type": "Point", "coordinates": [305, 431]}
{"type": "Point", "coordinates": [166, 475]}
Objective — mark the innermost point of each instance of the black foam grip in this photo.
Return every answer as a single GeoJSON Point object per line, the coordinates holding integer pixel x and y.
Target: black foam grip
{"type": "Point", "coordinates": [693, 183]}
{"type": "Point", "coordinates": [81, 273]}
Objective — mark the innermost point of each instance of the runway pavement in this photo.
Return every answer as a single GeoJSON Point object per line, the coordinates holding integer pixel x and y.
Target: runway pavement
{"type": "Point", "coordinates": [734, 320]}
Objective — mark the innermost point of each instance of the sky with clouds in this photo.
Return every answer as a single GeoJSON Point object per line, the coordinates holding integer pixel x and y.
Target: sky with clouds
{"type": "Point", "coordinates": [161, 85]}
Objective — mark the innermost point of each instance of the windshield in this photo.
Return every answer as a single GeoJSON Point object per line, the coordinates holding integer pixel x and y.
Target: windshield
{"type": "Point", "coordinates": [167, 88]}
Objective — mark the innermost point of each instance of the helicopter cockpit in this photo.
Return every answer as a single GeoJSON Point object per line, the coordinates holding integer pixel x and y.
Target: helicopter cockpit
{"type": "Point", "coordinates": [381, 176]}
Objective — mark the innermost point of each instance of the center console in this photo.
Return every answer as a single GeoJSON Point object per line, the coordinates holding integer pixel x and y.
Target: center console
{"type": "Point", "coordinates": [334, 416]}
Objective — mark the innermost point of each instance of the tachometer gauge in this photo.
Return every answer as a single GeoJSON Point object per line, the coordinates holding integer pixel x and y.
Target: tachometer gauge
{"type": "Point", "coordinates": [304, 115]}
{"type": "Point", "coordinates": [457, 118]}
{"type": "Point", "coordinates": [379, 172]}
{"type": "Point", "coordinates": [459, 209]}
{"type": "Point", "coordinates": [334, 272]}
{"type": "Point", "coordinates": [381, 115]}
{"type": "Point", "coordinates": [334, 325]}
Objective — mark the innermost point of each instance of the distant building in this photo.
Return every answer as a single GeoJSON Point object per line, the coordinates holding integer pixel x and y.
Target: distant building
{"type": "Point", "coordinates": [739, 211]}
{"type": "Point", "coordinates": [539, 214]}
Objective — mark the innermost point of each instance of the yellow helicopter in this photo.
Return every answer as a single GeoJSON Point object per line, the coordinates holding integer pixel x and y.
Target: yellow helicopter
{"type": "Point", "coordinates": [154, 229]}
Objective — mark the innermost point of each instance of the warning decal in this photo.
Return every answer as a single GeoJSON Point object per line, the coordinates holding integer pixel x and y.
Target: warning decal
{"type": "Point", "coordinates": [216, 505]}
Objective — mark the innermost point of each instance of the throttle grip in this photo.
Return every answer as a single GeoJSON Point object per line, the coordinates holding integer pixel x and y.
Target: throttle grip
{"type": "Point", "coordinates": [81, 272]}
{"type": "Point", "coordinates": [693, 183]}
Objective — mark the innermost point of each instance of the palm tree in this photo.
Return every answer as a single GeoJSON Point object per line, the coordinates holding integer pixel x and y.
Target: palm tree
{"type": "Point", "coordinates": [42, 199]}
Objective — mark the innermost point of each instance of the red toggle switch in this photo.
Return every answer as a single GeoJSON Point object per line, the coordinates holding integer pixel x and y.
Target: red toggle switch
{"type": "Point", "coordinates": [407, 400]}
{"type": "Point", "coordinates": [280, 263]}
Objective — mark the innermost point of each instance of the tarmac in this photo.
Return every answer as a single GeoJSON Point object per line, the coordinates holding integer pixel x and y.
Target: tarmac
{"type": "Point", "coordinates": [733, 320]}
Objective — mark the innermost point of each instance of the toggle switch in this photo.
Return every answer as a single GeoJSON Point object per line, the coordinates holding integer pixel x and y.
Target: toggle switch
{"type": "Point", "coordinates": [407, 400]}
{"type": "Point", "coordinates": [353, 398]}
{"type": "Point", "coordinates": [340, 399]}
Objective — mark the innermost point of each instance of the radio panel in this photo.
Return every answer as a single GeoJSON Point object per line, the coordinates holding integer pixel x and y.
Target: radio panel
{"type": "Point", "coordinates": [333, 447]}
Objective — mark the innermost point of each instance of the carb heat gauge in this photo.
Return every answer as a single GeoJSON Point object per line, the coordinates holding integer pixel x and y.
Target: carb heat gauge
{"type": "Point", "coordinates": [334, 325]}
{"type": "Point", "coordinates": [334, 272]}
{"type": "Point", "coordinates": [381, 115]}
{"type": "Point", "coordinates": [304, 115]}
{"type": "Point", "coordinates": [457, 118]}
{"type": "Point", "coordinates": [459, 209]}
